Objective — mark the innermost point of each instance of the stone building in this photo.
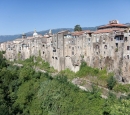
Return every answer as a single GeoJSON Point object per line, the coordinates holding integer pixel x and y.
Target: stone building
{"type": "Point", "coordinates": [107, 47]}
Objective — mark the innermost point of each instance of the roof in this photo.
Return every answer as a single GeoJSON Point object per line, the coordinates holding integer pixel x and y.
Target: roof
{"type": "Point", "coordinates": [113, 25]}
{"type": "Point", "coordinates": [30, 37]}
{"type": "Point", "coordinates": [108, 30]}
{"type": "Point", "coordinates": [63, 31]}
{"type": "Point", "coordinates": [77, 33]}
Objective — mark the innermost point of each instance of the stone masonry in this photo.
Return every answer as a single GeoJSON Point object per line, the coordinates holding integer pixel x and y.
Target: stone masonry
{"type": "Point", "coordinates": [107, 47]}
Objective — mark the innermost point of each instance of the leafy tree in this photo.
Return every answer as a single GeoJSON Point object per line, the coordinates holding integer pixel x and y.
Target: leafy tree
{"type": "Point", "coordinates": [24, 91]}
{"type": "Point", "coordinates": [111, 82]}
{"type": "Point", "coordinates": [77, 28]}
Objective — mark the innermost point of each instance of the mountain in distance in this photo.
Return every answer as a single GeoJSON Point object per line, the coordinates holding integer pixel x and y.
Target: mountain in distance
{"type": "Point", "coordinates": [4, 38]}
{"type": "Point", "coordinates": [128, 24]}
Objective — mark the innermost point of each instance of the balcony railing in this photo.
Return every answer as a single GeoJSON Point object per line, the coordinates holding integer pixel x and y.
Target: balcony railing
{"type": "Point", "coordinates": [119, 41]}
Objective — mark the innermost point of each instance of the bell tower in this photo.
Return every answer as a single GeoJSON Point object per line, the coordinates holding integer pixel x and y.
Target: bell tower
{"type": "Point", "coordinates": [24, 36]}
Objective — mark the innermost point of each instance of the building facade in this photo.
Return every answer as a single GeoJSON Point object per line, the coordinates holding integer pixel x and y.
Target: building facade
{"type": "Point", "coordinates": [107, 47]}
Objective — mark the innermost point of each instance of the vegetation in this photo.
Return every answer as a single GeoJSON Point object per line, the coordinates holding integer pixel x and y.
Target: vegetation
{"type": "Point", "coordinates": [67, 72]}
{"type": "Point", "coordinates": [24, 91]}
{"type": "Point", "coordinates": [116, 50]}
{"type": "Point", "coordinates": [77, 28]}
{"type": "Point", "coordinates": [37, 63]}
{"type": "Point", "coordinates": [94, 74]}
{"type": "Point", "coordinates": [124, 88]}
{"type": "Point", "coordinates": [97, 77]}
{"type": "Point", "coordinates": [111, 82]}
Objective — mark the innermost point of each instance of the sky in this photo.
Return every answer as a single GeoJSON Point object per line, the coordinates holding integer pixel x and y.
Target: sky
{"type": "Point", "coordinates": [21, 16]}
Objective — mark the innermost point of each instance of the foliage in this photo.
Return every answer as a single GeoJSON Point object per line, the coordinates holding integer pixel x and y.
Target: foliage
{"type": "Point", "coordinates": [24, 91]}
{"type": "Point", "coordinates": [121, 108]}
{"type": "Point", "coordinates": [37, 62]}
{"type": "Point", "coordinates": [122, 88]}
{"type": "Point", "coordinates": [67, 72]}
{"type": "Point", "coordinates": [2, 61]}
{"type": "Point", "coordinates": [86, 70]}
{"type": "Point", "coordinates": [77, 28]}
{"type": "Point", "coordinates": [3, 52]}
{"type": "Point", "coordinates": [111, 82]}
{"type": "Point", "coordinates": [116, 50]}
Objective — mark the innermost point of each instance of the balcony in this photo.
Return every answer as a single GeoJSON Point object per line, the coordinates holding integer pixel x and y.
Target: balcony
{"type": "Point", "coordinates": [119, 41]}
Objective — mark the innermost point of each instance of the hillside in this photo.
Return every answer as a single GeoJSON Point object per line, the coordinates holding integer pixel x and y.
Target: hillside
{"type": "Point", "coordinates": [23, 91]}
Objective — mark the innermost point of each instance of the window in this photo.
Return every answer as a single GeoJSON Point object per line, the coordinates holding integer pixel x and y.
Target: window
{"type": "Point", "coordinates": [56, 58]}
{"type": "Point", "coordinates": [116, 44]}
{"type": "Point", "coordinates": [72, 48]}
{"type": "Point", "coordinates": [128, 47]}
{"type": "Point", "coordinates": [105, 47]}
{"type": "Point", "coordinates": [69, 46]}
{"type": "Point", "coordinates": [125, 39]}
{"type": "Point", "coordinates": [72, 53]}
{"type": "Point", "coordinates": [119, 37]}
{"type": "Point", "coordinates": [127, 56]}
{"type": "Point", "coordinates": [43, 52]}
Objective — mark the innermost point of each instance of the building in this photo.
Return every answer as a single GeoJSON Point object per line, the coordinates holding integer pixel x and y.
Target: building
{"type": "Point", "coordinates": [107, 47]}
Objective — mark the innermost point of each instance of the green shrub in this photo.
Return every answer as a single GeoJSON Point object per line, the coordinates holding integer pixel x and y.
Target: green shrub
{"type": "Point", "coordinates": [111, 82]}
{"type": "Point", "coordinates": [67, 72]}
{"type": "Point", "coordinates": [122, 88]}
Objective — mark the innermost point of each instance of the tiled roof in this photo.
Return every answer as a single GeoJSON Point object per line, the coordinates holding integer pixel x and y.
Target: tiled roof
{"type": "Point", "coordinates": [112, 25]}
{"type": "Point", "coordinates": [77, 33]}
{"type": "Point", "coordinates": [107, 31]}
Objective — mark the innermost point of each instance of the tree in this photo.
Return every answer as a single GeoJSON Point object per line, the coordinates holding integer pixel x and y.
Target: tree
{"type": "Point", "coordinates": [111, 82]}
{"type": "Point", "coordinates": [77, 28]}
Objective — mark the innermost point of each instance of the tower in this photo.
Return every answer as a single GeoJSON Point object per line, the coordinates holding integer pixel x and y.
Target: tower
{"type": "Point", "coordinates": [24, 36]}
{"type": "Point", "coordinates": [35, 33]}
{"type": "Point", "coordinates": [50, 32]}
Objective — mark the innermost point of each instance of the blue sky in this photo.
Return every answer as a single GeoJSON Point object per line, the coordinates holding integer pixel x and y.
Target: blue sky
{"type": "Point", "coordinates": [18, 16]}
